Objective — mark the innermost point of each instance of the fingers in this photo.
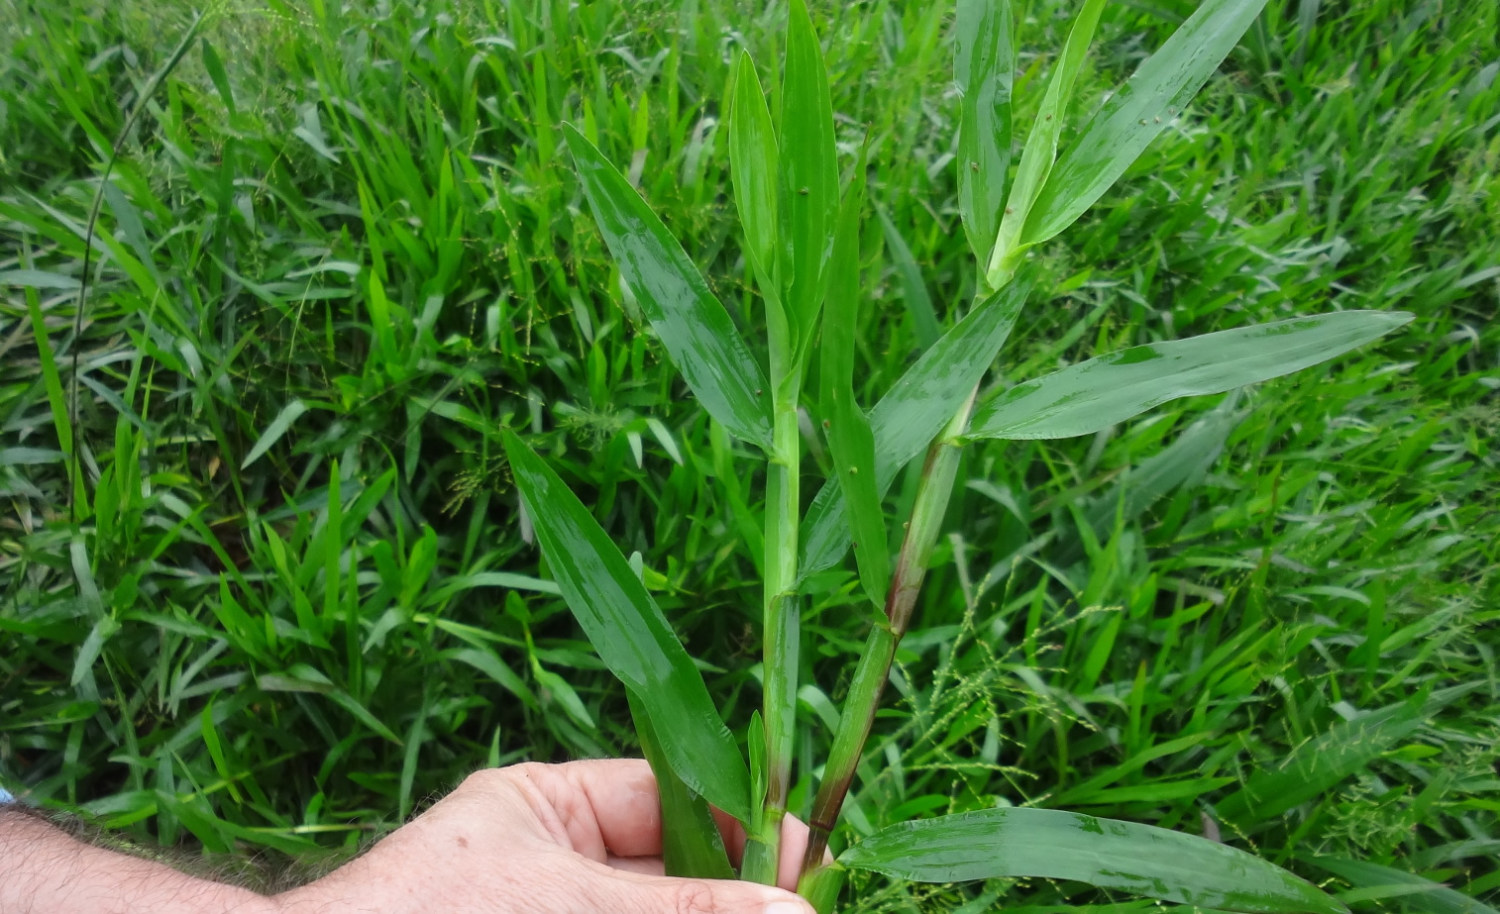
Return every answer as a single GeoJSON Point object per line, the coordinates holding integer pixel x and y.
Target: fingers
{"type": "Point", "coordinates": [608, 810]}
{"type": "Point", "coordinates": [641, 895]}
{"type": "Point", "coordinates": [793, 846]}
{"type": "Point", "coordinates": [599, 809]}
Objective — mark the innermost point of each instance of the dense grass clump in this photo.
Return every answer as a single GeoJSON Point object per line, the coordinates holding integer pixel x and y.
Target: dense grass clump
{"type": "Point", "coordinates": [287, 593]}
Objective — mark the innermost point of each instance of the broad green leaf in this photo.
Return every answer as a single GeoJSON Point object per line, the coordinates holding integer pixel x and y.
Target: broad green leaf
{"type": "Point", "coordinates": [913, 291]}
{"type": "Point", "coordinates": [1316, 766]}
{"type": "Point", "coordinates": [850, 440]}
{"type": "Point", "coordinates": [984, 66]}
{"type": "Point", "coordinates": [1041, 145]}
{"type": "Point", "coordinates": [912, 412]}
{"type": "Point", "coordinates": [809, 176]}
{"type": "Point", "coordinates": [691, 322]}
{"type": "Point", "coordinates": [1047, 843]}
{"type": "Point", "coordinates": [278, 427]}
{"type": "Point", "coordinates": [1137, 112]}
{"type": "Point", "coordinates": [691, 844]}
{"type": "Point", "coordinates": [631, 635]}
{"type": "Point", "coordinates": [1373, 881]}
{"type": "Point", "coordinates": [1093, 395]}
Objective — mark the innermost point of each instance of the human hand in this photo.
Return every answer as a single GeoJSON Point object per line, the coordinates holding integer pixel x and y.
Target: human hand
{"type": "Point", "coordinates": [576, 838]}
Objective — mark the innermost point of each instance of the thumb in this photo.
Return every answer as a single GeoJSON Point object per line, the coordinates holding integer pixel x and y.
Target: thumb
{"type": "Point", "coordinates": [666, 895]}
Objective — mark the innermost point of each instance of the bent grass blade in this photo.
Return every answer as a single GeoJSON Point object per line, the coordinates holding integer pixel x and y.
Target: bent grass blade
{"type": "Point", "coordinates": [911, 414]}
{"type": "Point", "coordinates": [1107, 390]}
{"type": "Point", "coordinates": [809, 179]}
{"type": "Point", "coordinates": [1049, 843]}
{"type": "Point", "coordinates": [698, 333]}
{"type": "Point", "coordinates": [1041, 146]}
{"type": "Point", "coordinates": [1137, 113]}
{"type": "Point", "coordinates": [984, 66]}
{"type": "Point", "coordinates": [850, 440]}
{"type": "Point", "coordinates": [691, 844]}
{"type": "Point", "coordinates": [631, 635]}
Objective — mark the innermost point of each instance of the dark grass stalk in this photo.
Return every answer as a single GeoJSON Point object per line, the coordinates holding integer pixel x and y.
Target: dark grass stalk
{"type": "Point", "coordinates": [74, 455]}
{"type": "Point", "coordinates": [873, 669]}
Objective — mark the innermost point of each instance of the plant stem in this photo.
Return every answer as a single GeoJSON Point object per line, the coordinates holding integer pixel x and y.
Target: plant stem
{"type": "Point", "coordinates": [874, 665]}
{"type": "Point", "coordinates": [782, 627]}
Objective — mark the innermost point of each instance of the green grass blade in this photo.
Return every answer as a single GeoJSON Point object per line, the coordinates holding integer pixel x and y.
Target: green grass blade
{"type": "Point", "coordinates": [51, 378]}
{"type": "Point", "coordinates": [691, 844]}
{"type": "Point", "coordinates": [984, 66]}
{"type": "Point", "coordinates": [1093, 395]}
{"type": "Point", "coordinates": [809, 176]}
{"type": "Point", "coordinates": [698, 333]}
{"type": "Point", "coordinates": [631, 635]}
{"type": "Point", "coordinates": [1185, 460]}
{"type": "Point", "coordinates": [913, 290]}
{"type": "Point", "coordinates": [1318, 765]}
{"type": "Point", "coordinates": [912, 412]}
{"type": "Point", "coordinates": [1416, 893]}
{"type": "Point", "coordinates": [1041, 145]}
{"type": "Point", "coordinates": [1049, 843]}
{"type": "Point", "coordinates": [1142, 108]}
{"type": "Point", "coordinates": [289, 414]}
{"type": "Point", "coordinates": [752, 167]}
{"type": "Point", "coordinates": [850, 440]}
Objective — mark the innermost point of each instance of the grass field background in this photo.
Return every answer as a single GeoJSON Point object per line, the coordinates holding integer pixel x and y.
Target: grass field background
{"type": "Point", "coordinates": [292, 597]}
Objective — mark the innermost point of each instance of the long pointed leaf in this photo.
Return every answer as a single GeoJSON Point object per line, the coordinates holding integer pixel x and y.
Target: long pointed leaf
{"type": "Point", "coordinates": [752, 166]}
{"type": "Point", "coordinates": [924, 322]}
{"type": "Point", "coordinates": [1140, 110]}
{"type": "Point", "coordinates": [1041, 145]}
{"type": "Point", "coordinates": [809, 174]}
{"type": "Point", "coordinates": [984, 66]}
{"type": "Point", "coordinates": [850, 439]}
{"type": "Point", "coordinates": [631, 635]}
{"type": "Point", "coordinates": [1093, 395]}
{"type": "Point", "coordinates": [1416, 893]}
{"type": "Point", "coordinates": [1141, 859]}
{"type": "Point", "coordinates": [691, 322]}
{"type": "Point", "coordinates": [912, 412]}
{"type": "Point", "coordinates": [1316, 766]}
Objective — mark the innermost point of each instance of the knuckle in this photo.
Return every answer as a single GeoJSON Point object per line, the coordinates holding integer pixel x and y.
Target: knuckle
{"type": "Point", "coordinates": [693, 896]}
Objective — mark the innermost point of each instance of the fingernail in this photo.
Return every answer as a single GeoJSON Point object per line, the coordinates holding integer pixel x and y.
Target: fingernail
{"type": "Point", "coordinates": [785, 907]}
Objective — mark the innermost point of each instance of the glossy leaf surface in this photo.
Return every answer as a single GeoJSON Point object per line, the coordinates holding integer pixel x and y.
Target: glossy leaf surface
{"type": "Point", "coordinates": [1093, 395]}
{"type": "Point", "coordinates": [1049, 843]}
{"type": "Point", "coordinates": [913, 411]}
{"type": "Point", "coordinates": [984, 66]}
{"type": "Point", "coordinates": [752, 167]}
{"type": "Point", "coordinates": [703, 342]}
{"type": "Point", "coordinates": [1374, 882]}
{"type": "Point", "coordinates": [850, 440]}
{"type": "Point", "coordinates": [1137, 112]}
{"type": "Point", "coordinates": [809, 174]}
{"type": "Point", "coordinates": [691, 844]}
{"type": "Point", "coordinates": [1041, 145]}
{"type": "Point", "coordinates": [631, 635]}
